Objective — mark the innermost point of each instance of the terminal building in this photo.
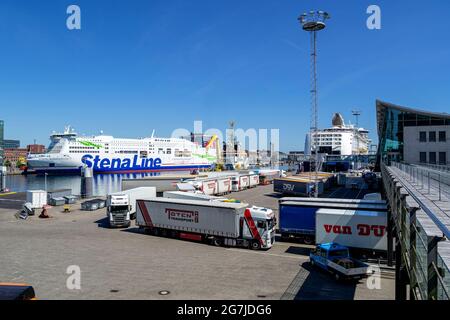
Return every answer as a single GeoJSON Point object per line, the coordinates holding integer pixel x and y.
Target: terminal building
{"type": "Point", "coordinates": [413, 136]}
{"type": "Point", "coordinates": [413, 157]}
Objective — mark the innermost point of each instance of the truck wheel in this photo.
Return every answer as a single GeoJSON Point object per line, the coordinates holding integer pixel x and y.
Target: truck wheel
{"type": "Point", "coordinates": [308, 241]}
{"type": "Point", "coordinates": [255, 245]}
{"type": "Point", "coordinates": [217, 242]}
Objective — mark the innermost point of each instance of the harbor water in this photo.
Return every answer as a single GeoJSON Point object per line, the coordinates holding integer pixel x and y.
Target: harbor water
{"type": "Point", "coordinates": [102, 184]}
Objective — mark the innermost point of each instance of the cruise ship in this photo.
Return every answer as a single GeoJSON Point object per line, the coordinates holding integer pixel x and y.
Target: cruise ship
{"type": "Point", "coordinates": [340, 139]}
{"type": "Point", "coordinates": [68, 153]}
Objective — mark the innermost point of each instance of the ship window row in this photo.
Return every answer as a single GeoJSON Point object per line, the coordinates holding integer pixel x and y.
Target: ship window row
{"type": "Point", "coordinates": [127, 151]}
{"type": "Point", "coordinates": [81, 151]}
{"type": "Point", "coordinates": [81, 148]}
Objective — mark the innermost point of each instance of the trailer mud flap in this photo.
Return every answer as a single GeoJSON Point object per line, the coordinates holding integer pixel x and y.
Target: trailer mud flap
{"type": "Point", "coordinates": [145, 214]}
{"type": "Point", "coordinates": [252, 227]}
{"type": "Point", "coordinates": [190, 236]}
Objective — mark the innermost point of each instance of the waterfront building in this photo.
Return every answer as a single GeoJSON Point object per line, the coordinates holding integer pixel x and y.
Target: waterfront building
{"type": "Point", "coordinates": [13, 157]}
{"type": "Point", "coordinates": [413, 136]}
{"type": "Point", "coordinates": [11, 144]}
{"type": "Point", "coordinates": [36, 148]}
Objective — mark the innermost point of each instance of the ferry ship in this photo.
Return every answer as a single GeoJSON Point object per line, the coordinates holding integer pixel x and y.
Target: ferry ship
{"type": "Point", "coordinates": [340, 139]}
{"type": "Point", "coordinates": [68, 153]}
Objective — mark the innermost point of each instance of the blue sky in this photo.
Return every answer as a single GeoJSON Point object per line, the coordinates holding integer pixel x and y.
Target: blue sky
{"type": "Point", "coordinates": [141, 65]}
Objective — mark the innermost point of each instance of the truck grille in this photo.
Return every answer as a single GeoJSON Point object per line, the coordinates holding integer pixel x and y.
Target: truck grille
{"type": "Point", "coordinates": [119, 219]}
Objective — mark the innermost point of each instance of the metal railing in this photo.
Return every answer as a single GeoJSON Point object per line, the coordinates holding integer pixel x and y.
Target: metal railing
{"type": "Point", "coordinates": [439, 167]}
{"type": "Point", "coordinates": [432, 180]}
{"type": "Point", "coordinates": [428, 271]}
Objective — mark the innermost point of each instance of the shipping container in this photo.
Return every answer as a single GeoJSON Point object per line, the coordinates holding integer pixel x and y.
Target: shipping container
{"type": "Point", "coordinates": [296, 186]}
{"type": "Point", "coordinates": [57, 201]}
{"type": "Point", "coordinates": [37, 198]}
{"type": "Point", "coordinates": [352, 228]}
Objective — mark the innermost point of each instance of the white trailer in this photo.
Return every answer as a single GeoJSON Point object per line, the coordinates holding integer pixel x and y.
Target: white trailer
{"type": "Point", "coordinates": [215, 222]}
{"type": "Point", "coordinates": [240, 182]}
{"type": "Point", "coordinates": [209, 187]}
{"type": "Point", "coordinates": [244, 181]}
{"type": "Point", "coordinates": [121, 206]}
{"type": "Point", "coordinates": [254, 180]}
{"type": "Point", "coordinates": [190, 196]}
{"type": "Point", "coordinates": [223, 185]}
{"type": "Point", "coordinates": [352, 228]}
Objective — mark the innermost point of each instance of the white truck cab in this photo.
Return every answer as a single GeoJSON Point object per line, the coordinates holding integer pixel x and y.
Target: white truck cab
{"type": "Point", "coordinates": [260, 225]}
{"type": "Point", "coordinates": [121, 206]}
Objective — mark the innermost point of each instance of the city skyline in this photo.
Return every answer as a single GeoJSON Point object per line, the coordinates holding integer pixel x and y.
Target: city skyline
{"type": "Point", "coordinates": [163, 65]}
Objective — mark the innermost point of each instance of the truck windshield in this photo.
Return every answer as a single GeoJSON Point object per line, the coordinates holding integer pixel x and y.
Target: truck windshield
{"type": "Point", "coordinates": [118, 209]}
{"type": "Point", "coordinates": [338, 253]}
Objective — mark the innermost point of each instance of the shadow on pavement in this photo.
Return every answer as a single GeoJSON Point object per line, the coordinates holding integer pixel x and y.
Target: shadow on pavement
{"type": "Point", "coordinates": [274, 195]}
{"type": "Point", "coordinates": [298, 250]}
{"type": "Point", "coordinates": [102, 223]}
{"type": "Point", "coordinates": [133, 230]}
{"type": "Point", "coordinates": [320, 285]}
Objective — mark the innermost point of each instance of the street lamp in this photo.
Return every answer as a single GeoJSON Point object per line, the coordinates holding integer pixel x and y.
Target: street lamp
{"type": "Point", "coordinates": [312, 22]}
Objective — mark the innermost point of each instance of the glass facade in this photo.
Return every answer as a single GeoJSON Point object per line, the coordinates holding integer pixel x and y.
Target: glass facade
{"type": "Point", "coordinates": [392, 120]}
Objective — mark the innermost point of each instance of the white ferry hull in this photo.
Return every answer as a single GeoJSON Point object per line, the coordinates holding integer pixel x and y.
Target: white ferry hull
{"type": "Point", "coordinates": [105, 154]}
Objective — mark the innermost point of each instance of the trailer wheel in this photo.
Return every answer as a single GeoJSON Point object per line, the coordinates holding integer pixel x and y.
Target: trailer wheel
{"type": "Point", "coordinates": [255, 245]}
{"type": "Point", "coordinates": [308, 241]}
{"type": "Point", "coordinates": [217, 242]}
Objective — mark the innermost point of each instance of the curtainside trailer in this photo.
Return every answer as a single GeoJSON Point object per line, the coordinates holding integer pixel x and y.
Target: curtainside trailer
{"type": "Point", "coordinates": [359, 229]}
{"type": "Point", "coordinates": [218, 223]}
{"type": "Point", "coordinates": [297, 219]}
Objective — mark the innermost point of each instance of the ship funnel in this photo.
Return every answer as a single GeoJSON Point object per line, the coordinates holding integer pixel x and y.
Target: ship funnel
{"type": "Point", "coordinates": [338, 120]}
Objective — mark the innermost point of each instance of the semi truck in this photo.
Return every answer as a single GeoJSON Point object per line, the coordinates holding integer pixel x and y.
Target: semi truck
{"type": "Point", "coordinates": [297, 219]}
{"type": "Point", "coordinates": [214, 222]}
{"type": "Point", "coordinates": [121, 206]}
{"type": "Point", "coordinates": [335, 259]}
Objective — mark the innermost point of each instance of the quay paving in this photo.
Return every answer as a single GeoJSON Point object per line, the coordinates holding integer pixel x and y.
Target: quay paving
{"type": "Point", "coordinates": [126, 264]}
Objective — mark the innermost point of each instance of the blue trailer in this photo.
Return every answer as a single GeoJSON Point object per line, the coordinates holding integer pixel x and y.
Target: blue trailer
{"type": "Point", "coordinates": [297, 218]}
